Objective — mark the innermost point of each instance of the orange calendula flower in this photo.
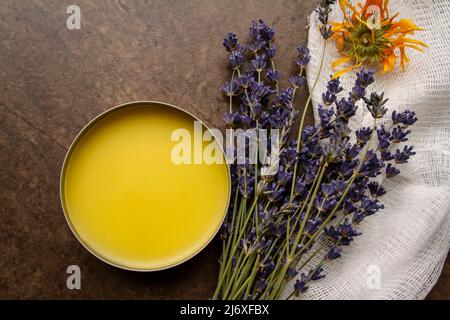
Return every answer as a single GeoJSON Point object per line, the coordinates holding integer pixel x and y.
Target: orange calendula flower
{"type": "Point", "coordinates": [368, 35]}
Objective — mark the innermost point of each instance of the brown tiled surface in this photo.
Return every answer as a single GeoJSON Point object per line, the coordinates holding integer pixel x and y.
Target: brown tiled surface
{"type": "Point", "coordinates": [54, 80]}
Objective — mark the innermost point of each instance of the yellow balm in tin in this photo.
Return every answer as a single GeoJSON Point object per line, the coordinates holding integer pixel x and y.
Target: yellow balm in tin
{"type": "Point", "coordinates": [128, 202]}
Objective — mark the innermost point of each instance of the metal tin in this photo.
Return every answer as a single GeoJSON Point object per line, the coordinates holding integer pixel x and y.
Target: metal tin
{"type": "Point", "coordinates": [78, 138]}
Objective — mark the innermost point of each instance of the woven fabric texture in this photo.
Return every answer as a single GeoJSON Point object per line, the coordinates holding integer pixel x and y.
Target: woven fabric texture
{"type": "Point", "coordinates": [404, 245]}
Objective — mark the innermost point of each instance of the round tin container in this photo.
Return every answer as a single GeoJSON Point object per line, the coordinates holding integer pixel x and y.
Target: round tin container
{"type": "Point", "coordinates": [126, 200]}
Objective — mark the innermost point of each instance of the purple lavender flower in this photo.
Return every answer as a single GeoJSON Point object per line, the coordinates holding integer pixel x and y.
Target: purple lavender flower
{"type": "Point", "coordinates": [273, 75]}
{"type": "Point", "coordinates": [246, 186]}
{"type": "Point", "coordinates": [280, 230]}
{"type": "Point", "coordinates": [351, 165]}
{"type": "Point", "coordinates": [386, 155]}
{"type": "Point", "coordinates": [283, 176]}
{"type": "Point", "coordinates": [274, 193]}
{"type": "Point", "coordinates": [370, 206]}
{"type": "Point", "coordinates": [300, 187]}
{"type": "Point", "coordinates": [312, 225]}
{"type": "Point", "coordinates": [324, 204]}
{"type": "Point", "coordinates": [291, 273]}
{"type": "Point", "coordinates": [262, 92]}
{"type": "Point", "coordinates": [334, 253]}
{"type": "Point", "coordinates": [272, 52]}
{"type": "Point", "coordinates": [376, 105]}
{"type": "Point", "coordinates": [406, 118]}
{"type": "Point", "coordinates": [328, 189]}
{"type": "Point", "coordinates": [339, 185]}
{"type": "Point", "coordinates": [372, 165]}
{"type": "Point", "coordinates": [232, 119]}
{"type": "Point", "coordinates": [230, 88]}
{"type": "Point", "coordinates": [256, 45]}
{"type": "Point", "coordinates": [325, 116]}
{"type": "Point", "coordinates": [256, 110]}
{"type": "Point", "coordinates": [259, 63]}
{"type": "Point", "coordinates": [323, 11]}
{"type": "Point", "coordinates": [303, 55]}
{"type": "Point", "coordinates": [328, 98]}
{"type": "Point", "coordinates": [364, 77]}
{"type": "Point", "coordinates": [342, 130]}
{"type": "Point", "coordinates": [245, 81]}
{"type": "Point", "coordinates": [332, 233]}
{"type": "Point", "coordinates": [346, 168]}
{"type": "Point", "coordinates": [266, 32]}
{"type": "Point", "coordinates": [235, 60]}
{"type": "Point", "coordinates": [358, 189]}
{"type": "Point", "coordinates": [297, 81]}
{"type": "Point", "coordinates": [317, 274]}
{"type": "Point", "coordinates": [300, 285]}
{"type": "Point", "coordinates": [403, 156]}
{"type": "Point", "coordinates": [349, 207]}
{"type": "Point", "coordinates": [358, 216]}
{"type": "Point", "coordinates": [245, 120]}
{"type": "Point", "coordinates": [307, 133]}
{"type": "Point", "coordinates": [230, 41]}
{"type": "Point", "coordinates": [326, 31]}
{"type": "Point", "coordinates": [267, 268]}
{"type": "Point", "coordinates": [391, 171]}
{"type": "Point", "coordinates": [345, 109]}
{"type": "Point", "coordinates": [376, 190]}
{"type": "Point", "coordinates": [334, 86]}
{"type": "Point", "coordinates": [383, 143]}
{"type": "Point", "coordinates": [335, 148]}
{"type": "Point", "coordinates": [358, 92]}
{"type": "Point", "coordinates": [288, 157]}
{"type": "Point", "coordinates": [261, 285]}
{"type": "Point", "coordinates": [399, 135]}
{"type": "Point", "coordinates": [384, 138]}
{"type": "Point", "coordinates": [363, 135]}
{"type": "Point", "coordinates": [253, 32]}
{"type": "Point", "coordinates": [347, 233]}
{"type": "Point", "coordinates": [284, 98]}
{"type": "Point", "coordinates": [279, 118]}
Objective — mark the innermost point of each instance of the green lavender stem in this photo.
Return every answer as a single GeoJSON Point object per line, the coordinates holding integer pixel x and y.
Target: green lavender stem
{"type": "Point", "coordinates": [233, 250]}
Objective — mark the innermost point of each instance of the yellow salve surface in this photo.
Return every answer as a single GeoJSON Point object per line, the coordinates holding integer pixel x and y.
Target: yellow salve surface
{"type": "Point", "coordinates": [129, 203]}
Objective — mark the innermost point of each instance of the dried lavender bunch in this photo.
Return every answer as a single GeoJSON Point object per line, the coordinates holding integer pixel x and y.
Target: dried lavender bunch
{"type": "Point", "coordinates": [329, 179]}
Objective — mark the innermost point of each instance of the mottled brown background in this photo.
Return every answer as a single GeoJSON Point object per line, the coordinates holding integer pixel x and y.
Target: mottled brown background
{"type": "Point", "coordinates": [54, 80]}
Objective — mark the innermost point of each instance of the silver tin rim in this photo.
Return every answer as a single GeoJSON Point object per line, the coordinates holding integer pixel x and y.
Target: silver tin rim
{"type": "Point", "coordinates": [74, 143]}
